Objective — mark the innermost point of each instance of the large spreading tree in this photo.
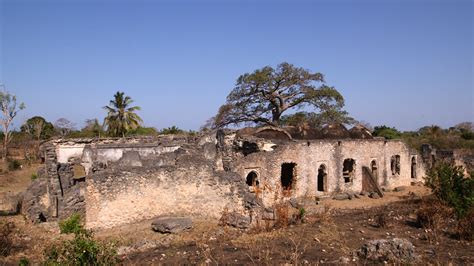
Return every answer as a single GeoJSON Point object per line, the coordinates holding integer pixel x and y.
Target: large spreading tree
{"type": "Point", "coordinates": [121, 116]}
{"type": "Point", "coordinates": [262, 97]}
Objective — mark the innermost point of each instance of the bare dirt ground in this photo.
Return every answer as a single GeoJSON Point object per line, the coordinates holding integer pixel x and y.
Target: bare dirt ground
{"type": "Point", "coordinates": [330, 233]}
{"type": "Point", "coordinates": [16, 181]}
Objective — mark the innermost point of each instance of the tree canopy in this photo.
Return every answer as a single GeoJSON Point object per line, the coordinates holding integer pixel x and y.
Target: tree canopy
{"type": "Point", "coordinates": [263, 96]}
{"type": "Point", "coordinates": [386, 132]}
{"type": "Point", "coordinates": [317, 120]}
{"type": "Point", "coordinates": [38, 128]}
{"type": "Point", "coordinates": [121, 116]}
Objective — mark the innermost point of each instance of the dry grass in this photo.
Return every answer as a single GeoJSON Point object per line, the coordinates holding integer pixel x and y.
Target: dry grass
{"type": "Point", "coordinates": [6, 241]}
{"type": "Point", "coordinates": [433, 214]}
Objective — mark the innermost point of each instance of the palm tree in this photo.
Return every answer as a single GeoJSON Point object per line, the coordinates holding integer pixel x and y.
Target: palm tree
{"type": "Point", "coordinates": [121, 117]}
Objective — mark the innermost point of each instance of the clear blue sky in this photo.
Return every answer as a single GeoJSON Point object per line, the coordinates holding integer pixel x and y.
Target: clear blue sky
{"type": "Point", "coordinates": [401, 63]}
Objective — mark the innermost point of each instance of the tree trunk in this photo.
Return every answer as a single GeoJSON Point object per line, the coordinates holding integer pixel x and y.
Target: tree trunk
{"type": "Point", "coordinates": [276, 117]}
{"type": "Point", "coordinates": [5, 146]}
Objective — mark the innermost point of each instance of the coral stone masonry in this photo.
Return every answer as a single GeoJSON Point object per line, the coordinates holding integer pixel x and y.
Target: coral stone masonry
{"type": "Point", "coordinates": [219, 175]}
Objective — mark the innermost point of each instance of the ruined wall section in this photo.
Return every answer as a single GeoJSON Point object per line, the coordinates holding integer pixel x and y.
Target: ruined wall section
{"type": "Point", "coordinates": [310, 155]}
{"type": "Point", "coordinates": [134, 179]}
{"type": "Point", "coordinates": [197, 191]}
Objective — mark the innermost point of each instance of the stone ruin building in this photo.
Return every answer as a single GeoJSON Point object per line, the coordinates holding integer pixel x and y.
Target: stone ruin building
{"type": "Point", "coordinates": [236, 177]}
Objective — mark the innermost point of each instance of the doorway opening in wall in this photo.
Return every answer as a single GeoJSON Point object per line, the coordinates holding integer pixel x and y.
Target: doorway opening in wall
{"type": "Point", "coordinates": [252, 179]}
{"type": "Point", "coordinates": [413, 167]}
{"type": "Point", "coordinates": [348, 170]}
{"type": "Point", "coordinates": [373, 169]}
{"type": "Point", "coordinates": [288, 173]}
{"type": "Point", "coordinates": [322, 177]}
{"type": "Point", "coordinates": [395, 165]}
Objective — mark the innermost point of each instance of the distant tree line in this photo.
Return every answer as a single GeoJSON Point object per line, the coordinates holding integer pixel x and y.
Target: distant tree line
{"type": "Point", "coordinates": [283, 96]}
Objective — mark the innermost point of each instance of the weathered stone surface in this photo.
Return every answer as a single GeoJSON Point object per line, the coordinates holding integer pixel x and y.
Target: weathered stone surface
{"type": "Point", "coordinates": [374, 195]}
{"type": "Point", "coordinates": [10, 204]}
{"type": "Point", "coordinates": [237, 220]}
{"type": "Point", "coordinates": [390, 250]}
{"type": "Point", "coordinates": [399, 189]}
{"type": "Point", "coordinates": [132, 179]}
{"type": "Point", "coordinates": [171, 224]}
{"type": "Point", "coordinates": [268, 214]}
{"type": "Point", "coordinates": [341, 196]}
{"type": "Point", "coordinates": [36, 201]}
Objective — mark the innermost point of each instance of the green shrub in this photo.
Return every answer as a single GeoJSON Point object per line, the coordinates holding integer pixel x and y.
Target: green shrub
{"type": "Point", "coordinates": [34, 176]}
{"type": "Point", "coordinates": [467, 135]}
{"type": "Point", "coordinates": [71, 225]}
{"type": "Point", "coordinates": [14, 165]}
{"type": "Point", "coordinates": [450, 185]}
{"type": "Point", "coordinates": [24, 262]}
{"type": "Point", "coordinates": [82, 250]}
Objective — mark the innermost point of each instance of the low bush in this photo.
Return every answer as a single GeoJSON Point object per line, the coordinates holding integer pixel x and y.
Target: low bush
{"type": "Point", "coordinates": [450, 186]}
{"type": "Point", "coordinates": [433, 214]}
{"type": "Point", "coordinates": [381, 219]}
{"type": "Point", "coordinates": [73, 224]}
{"type": "Point", "coordinates": [82, 250]}
{"type": "Point", "coordinates": [34, 176]}
{"type": "Point", "coordinates": [14, 165]}
{"type": "Point", "coordinates": [24, 262]}
{"type": "Point", "coordinates": [465, 226]}
{"type": "Point", "coordinates": [6, 242]}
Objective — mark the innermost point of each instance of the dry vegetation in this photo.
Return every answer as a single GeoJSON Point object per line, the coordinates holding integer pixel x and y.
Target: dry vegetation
{"type": "Point", "coordinates": [330, 232]}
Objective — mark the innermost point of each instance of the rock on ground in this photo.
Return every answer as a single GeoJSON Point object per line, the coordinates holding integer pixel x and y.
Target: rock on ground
{"type": "Point", "coordinates": [393, 250]}
{"type": "Point", "coordinates": [236, 220]}
{"type": "Point", "coordinates": [341, 196]}
{"type": "Point", "coordinates": [171, 224]}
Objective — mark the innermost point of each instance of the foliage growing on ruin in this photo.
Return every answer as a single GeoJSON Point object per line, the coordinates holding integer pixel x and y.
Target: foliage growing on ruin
{"type": "Point", "coordinates": [450, 185]}
{"type": "Point", "coordinates": [386, 132]}
{"type": "Point", "coordinates": [121, 116]}
{"type": "Point", "coordinates": [318, 120]}
{"type": "Point", "coordinates": [263, 96]}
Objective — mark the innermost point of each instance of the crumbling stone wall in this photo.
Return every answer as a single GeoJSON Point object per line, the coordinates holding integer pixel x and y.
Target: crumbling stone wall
{"type": "Point", "coordinates": [138, 178]}
{"type": "Point", "coordinates": [310, 155]}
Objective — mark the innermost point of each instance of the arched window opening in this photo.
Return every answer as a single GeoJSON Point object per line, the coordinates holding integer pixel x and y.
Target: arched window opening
{"type": "Point", "coordinates": [348, 170]}
{"type": "Point", "coordinates": [395, 164]}
{"type": "Point", "coordinates": [413, 167]}
{"type": "Point", "coordinates": [252, 179]}
{"type": "Point", "coordinates": [322, 177]}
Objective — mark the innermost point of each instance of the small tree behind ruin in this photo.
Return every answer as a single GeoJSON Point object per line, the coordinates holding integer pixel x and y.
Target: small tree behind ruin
{"type": "Point", "coordinates": [263, 96]}
{"type": "Point", "coordinates": [9, 108]}
{"type": "Point", "coordinates": [121, 116]}
{"type": "Point", "coordinates": [38, 128]}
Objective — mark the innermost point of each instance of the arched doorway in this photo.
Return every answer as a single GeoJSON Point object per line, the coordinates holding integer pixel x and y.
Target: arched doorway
{"type": "Point", "coordinates": [413, 167]}
{"type": "Point", "coordinates": [252, 179]}
{"type": "Point", "coordinates": [322, 178]}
